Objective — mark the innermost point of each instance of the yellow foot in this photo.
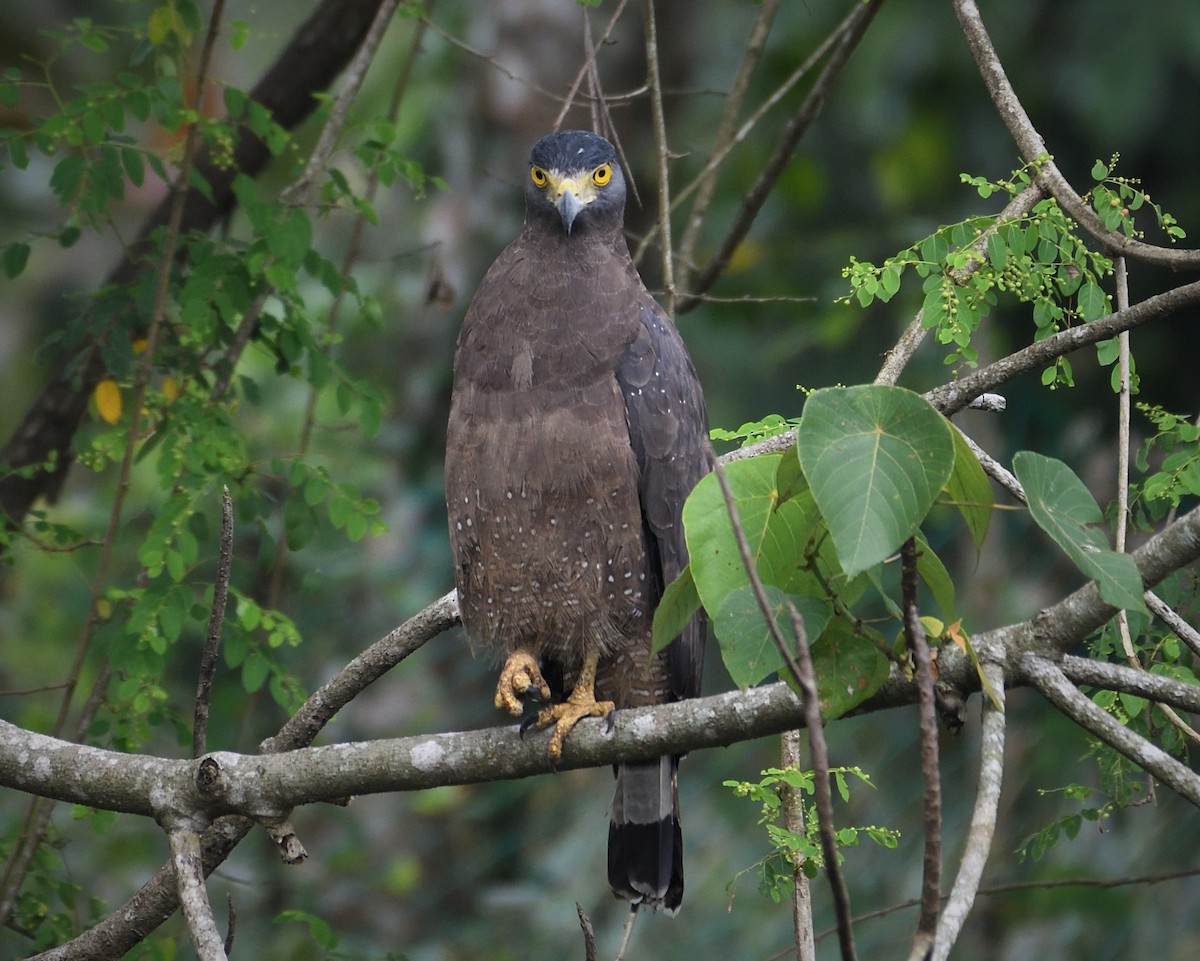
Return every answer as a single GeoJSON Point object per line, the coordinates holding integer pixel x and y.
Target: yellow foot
{"type": "Point", "coordinates": [519, 678]}
{"type": "Point", "coordinates": [570, 712]}
{"type": "Point", "coordinates": [582, 703]}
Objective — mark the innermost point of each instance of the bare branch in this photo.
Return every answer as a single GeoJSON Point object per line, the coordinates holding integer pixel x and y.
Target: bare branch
{"type": "Point", "coordinates": [898, 357]}
{"type": "Point", "coordinates": [914, 634]}
{"type": "Point", "coordinates": [793, 821]}
{"type": "Point", "coordinates": [654, 82]}
{"type": "Point", "coordinates": [1132, 680]}
{"type": "Point", "coordinates": [857, 24]}
{"type": "Point", "coordinates": [1059, 691]}
{"type": "Point", "coordinates": [301, 188]}
{"type": "Point", "coordinates": [706, 182]}
{"type": "Point", "coordinates": [1033, 149]}
{"type": "Point", "coordinates": [983, 820]}
{"type": "Point", "coordinates": [193, 896]}
{"type": "Point", "coordinates": [954, 396]}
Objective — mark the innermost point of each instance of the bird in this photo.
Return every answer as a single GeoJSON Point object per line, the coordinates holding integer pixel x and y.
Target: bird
{"type": "Point", "coordinates": [577, 429]}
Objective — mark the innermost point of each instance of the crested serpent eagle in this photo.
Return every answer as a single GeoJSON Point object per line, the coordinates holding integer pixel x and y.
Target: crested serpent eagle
{"type": "Point", "coordinates": [577, 429]}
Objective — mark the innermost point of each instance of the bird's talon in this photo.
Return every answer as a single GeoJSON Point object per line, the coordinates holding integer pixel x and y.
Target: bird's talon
{"type": "Point", "coordinates": [520, 678]}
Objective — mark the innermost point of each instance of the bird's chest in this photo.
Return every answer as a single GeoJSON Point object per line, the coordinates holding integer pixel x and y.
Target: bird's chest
{"type": "Point", "coordinates": [542, 481]}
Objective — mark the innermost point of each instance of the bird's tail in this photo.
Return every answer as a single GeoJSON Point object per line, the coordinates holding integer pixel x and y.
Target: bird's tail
{"type": "Point", "coordinates": [645, 844]}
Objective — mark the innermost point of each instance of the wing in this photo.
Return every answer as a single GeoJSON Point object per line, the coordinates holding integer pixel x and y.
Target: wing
{"type": "Point", "coordinates": [668, 428]}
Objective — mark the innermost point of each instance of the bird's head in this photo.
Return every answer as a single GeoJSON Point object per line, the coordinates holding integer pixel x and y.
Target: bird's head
{"type": "Point", "coordinates": [574, 179]}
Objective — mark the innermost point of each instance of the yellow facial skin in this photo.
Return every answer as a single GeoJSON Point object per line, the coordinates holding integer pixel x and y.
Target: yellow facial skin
{"type": "Point", "coordinates": [570, 192]}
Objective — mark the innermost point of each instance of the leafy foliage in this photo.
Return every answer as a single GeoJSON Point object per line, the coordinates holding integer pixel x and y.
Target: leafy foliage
{"type": "Point", "coordinates": [791, 849]}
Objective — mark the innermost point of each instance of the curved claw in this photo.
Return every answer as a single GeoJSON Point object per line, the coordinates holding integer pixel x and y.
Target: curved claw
{"type": "Point", "coordinates": [520, 678]}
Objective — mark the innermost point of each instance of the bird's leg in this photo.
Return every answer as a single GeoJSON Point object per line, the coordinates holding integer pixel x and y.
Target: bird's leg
{"type": "Point", "coordinates": [519, 678]}
{"type": "Point", "coordinates": [579, 704]}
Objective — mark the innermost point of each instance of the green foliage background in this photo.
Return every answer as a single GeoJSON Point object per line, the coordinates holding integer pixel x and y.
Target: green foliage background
{"type": "Point", "coordinates": [339, 540]}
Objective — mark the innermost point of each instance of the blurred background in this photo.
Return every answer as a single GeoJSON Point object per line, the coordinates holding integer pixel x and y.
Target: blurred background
{"type": "Point", "coordinates": [493, 871]}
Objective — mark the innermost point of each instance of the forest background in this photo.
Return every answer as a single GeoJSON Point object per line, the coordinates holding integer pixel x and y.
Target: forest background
{"type": "Point", "coordinates": [494, 870]}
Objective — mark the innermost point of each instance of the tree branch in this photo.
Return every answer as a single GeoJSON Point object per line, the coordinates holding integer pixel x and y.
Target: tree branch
{"type": "Point", "coordinates": [953, 397]}
{"type": "Point", "coordinates": [1033, 149]}
{"type": "Point", "coordinates": [1059, 691]}
{"type": "Point", "coordinates": [1132, 680]}
{"type": "Point", "coordinates": [189, 878]}
{"type": "Point", "coordinates": [315, 56]}
{"type": "Point", "coordinates": [856, 26]}
{"type": "Point", "coordinates": [983, 820]}
{"type": "Point", "coordinates": [918, 648]}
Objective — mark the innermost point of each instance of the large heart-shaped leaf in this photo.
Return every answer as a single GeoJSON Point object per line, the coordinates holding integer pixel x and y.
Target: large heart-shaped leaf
{"type": "Point", "coordinates": [875, 458]}
{"type": "Point", "coordinates": [1064, 508]}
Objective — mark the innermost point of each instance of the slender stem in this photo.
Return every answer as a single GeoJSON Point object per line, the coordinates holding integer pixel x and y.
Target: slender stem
{"type": "Point", "coordinates": [918, 647]}
{"type": "Point", "coordinates": [654, 82]}
{"type": "Point", "coordinates": [724, 138]}
{"type": "Point", "coordinates": [216, 619]}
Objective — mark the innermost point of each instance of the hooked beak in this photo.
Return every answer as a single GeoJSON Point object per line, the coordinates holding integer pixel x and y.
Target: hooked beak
{"type": "Point", "coordinates": [568, 206]}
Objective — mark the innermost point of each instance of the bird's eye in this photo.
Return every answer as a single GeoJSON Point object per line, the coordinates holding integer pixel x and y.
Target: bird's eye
{"type": "Point", "coordinates": [602, 175]}
{"type": "Point", "coordinates": [538, 176]}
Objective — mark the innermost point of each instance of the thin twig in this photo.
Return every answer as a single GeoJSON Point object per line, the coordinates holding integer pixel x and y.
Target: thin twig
{"type": "Point", "coordinates": [589, 933]}
{"type": "Point", "coordinates": [654, 82]}
{"type": "Point", "coordinates": [231, 930]}
{"type": "Point", "coordinates": [792, 800]}
{"type": "Point", "coordinates": [822, 795]}
{"type": "Point", "coordinates": [724, 137]}
{"type": "Point", "coordinates": [588, 69]}
{"type": "Point", "coordinates": [627, 932]}
{"type": "Point", "coordinates": [719, 155]}
{"type": "Point", "coordinates": [858, 21]}
{"type": "Point", "coordinates": [799, 665]}
{"type": "Point", "coordinates": [1123, 444]}
{"type": "Point", "coordinates": [1102, 884]}
{"type": "Point", "coordinates": [216, 620]}
{"type": "Point", "coordinates": [918, 647]}
{"type": "Point", "coordinates": [300, 189]}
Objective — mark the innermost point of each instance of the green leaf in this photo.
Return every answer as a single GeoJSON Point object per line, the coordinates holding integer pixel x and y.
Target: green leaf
{"type": "Point", "coordinates": [747, 646]}
{"type": "Point", "coordinates": [933, 572]}
{"type": "Point", "coordinates": [875, 458]}
{"type": "Point", "coordinates": [254, 671]}
{"type": "Point", "coordinates": [15, 258]}
{"type": "Point", "coordinates": [997, 251]}
{"type": "Point", "coordinates": [679, 603]}
{"type": "Point", "coordinates": [969, 490]}
{"type": "Point", "coordinates": [775, 531]}
{"type": "Point", "coordinates": [1063, 507]}
{"type": "Point", "coordinates": [850, 668]}
{"type": "Point", "coordinates": [1093, 302]}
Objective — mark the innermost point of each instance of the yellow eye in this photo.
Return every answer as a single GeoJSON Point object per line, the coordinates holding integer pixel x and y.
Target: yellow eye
{"type": "Point", "coordinates": [538, 176]}
{"type": "Point", "coordinates": [602, 175]}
